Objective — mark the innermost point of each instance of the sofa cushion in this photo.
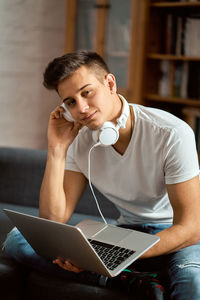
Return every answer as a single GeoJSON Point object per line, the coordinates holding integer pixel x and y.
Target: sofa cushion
{"type": "Point", "coordinates": [12, 279]}
{"type": "Point", "coordinates": [22, 171]}
{"type": "Point", "coordinates": [42, 286]}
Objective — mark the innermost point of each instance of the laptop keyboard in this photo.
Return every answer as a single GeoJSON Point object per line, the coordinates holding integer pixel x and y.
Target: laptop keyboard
{"type": "Point", "coordinates": [111, 255]}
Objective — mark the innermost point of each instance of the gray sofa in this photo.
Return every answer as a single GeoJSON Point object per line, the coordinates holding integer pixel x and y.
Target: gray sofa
{"type": "Point", "coordinates": [21, 175]}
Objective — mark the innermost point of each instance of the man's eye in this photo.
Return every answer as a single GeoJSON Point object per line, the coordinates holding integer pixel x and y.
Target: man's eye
{"type": "Point", "coordinates": [70, 102]}
{"type": "Point", "coordinates": [85, 93]}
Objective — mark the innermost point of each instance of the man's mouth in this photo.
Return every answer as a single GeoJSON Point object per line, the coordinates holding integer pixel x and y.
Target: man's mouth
{"type": "Point", "coordinates": [88, 117]}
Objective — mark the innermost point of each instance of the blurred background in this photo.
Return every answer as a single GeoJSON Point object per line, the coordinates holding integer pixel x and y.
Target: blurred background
{"type": "Point", "coordinates": [32, 32]}
{"type": "Point", "coordinates": [152, 47]}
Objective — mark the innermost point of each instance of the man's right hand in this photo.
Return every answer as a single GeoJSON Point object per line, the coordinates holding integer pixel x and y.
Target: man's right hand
{"type": "Point", "coordinates": [60, 131]}
{"type": "Point", "coordinates": [67, 265]}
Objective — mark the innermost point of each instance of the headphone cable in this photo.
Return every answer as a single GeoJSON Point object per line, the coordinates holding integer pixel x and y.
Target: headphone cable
{"type": "Point", "coordinates": [89, 180]}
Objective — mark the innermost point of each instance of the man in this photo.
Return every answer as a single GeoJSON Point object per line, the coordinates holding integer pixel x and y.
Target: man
{"type": "Point", "coordinates": [151, 173]}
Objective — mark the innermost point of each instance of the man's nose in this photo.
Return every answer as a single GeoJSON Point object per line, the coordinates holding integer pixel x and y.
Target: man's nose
{"type": "Point", "coordinates": [83, 106]}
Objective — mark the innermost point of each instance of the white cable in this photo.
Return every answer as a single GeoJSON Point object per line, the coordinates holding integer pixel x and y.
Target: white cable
{"type": "Point", "coordinates": [89, 179]}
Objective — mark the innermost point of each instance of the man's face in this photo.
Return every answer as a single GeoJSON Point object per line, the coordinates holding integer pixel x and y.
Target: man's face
{"type": "Point", "coordinates": [89, 101]}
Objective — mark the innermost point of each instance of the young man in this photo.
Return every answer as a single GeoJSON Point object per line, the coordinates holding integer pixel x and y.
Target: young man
{"type": "Point", "coordinates": [151, 173]}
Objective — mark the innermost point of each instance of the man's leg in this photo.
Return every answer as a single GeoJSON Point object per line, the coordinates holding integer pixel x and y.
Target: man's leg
{"type": "Point", "coordinates": [182, 268]}
{"type": "Point", "coordinates": [18, 248]}
{"type": "Point", "coordinates": [184, 273]}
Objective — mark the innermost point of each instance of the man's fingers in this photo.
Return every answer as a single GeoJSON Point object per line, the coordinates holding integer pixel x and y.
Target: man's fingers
{"type": "Point", "coordinates": [67, 266]}
{"type": "Point", "coordinates": [72, 268]}
{"type": "Point", "coordinates": [59, 262]}
{"type": "Point", "coordinates": [57, 112]}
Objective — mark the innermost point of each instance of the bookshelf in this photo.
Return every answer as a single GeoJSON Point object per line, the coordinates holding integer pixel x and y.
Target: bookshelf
{"type": "Point", "coordinates": [171, 76]}
{"type": "Point", "coordinates": [167, 50]}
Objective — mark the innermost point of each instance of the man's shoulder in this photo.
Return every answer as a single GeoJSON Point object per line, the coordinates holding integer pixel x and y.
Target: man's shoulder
{"type": "Point", "coordinates": [158, 118]}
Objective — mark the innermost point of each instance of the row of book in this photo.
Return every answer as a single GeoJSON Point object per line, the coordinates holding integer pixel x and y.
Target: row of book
{"type": "Point", "coordinates": [183, 81]}
{"type": "Point", "coordinates": [182, 35]}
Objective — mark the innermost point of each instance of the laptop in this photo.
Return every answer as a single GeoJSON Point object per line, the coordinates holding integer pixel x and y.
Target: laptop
{"type": "Point", "coordinates": [93, 246]}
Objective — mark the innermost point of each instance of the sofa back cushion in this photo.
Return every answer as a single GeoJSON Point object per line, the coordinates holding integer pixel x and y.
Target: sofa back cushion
{"type": "Point", "coordinates": [22, 171]}
{"type": "Point", "coordinates": [21, 175]}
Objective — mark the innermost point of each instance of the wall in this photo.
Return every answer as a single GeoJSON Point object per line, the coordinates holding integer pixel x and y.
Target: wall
{"type": "Point", "coordinates": [32, 32]}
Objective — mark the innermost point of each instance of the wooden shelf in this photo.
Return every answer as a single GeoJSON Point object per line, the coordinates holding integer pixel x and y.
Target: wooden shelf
{"type": "Point", "coordinates": [119, 54]}
{"type": "Point", "coordinates": [175, 100]}
{"type": "Point", "coordinates": [172, 57]}
{"type": "Point", "coordinates": [175, 4]}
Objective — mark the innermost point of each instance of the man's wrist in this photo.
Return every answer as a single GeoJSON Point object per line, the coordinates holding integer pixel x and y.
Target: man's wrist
{"type": "Point", "coordinates": [57, 152]}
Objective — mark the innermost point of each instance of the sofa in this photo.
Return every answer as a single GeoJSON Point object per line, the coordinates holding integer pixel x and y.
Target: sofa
{"type": "Point", "coordinates": [21, 175]}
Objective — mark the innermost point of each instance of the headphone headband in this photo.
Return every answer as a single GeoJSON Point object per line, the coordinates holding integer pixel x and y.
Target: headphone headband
{"type": "Point", "coordinates": [121, 121]}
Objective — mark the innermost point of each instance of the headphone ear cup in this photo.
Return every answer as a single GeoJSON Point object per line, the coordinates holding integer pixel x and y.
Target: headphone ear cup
{"type": "Point", "coordinates": [107, 135]}
{"type": "Point", "coordinates": [67, 114]}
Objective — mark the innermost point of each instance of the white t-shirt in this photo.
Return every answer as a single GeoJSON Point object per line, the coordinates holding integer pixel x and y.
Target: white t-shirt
{"type": "Point", "coordinates": [161, 151]}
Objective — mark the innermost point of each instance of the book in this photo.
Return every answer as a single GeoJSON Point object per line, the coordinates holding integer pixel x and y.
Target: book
{"type": "Point", "coordinates": [180, 80]}
{"type": "Point", "coordinates": [164, 82]}
{"type": "Point", "coordinates": [178, 75]}
{"type": "Point", "coordinates": [192, 37]}
{"type": "Point", "coordinates": [180, 37]}
{"type": "Point", "coordinates": [193, 89]}
{"type": "Point", "coordinates": [184, 83]}
{"type": "Point", "coordinates": [171, 34]}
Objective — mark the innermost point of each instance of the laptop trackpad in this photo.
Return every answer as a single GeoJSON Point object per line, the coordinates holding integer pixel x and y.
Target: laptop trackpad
{"type": "Point", "coordinates": [112, 234]}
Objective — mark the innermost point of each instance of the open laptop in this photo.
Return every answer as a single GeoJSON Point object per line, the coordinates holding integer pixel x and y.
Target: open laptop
{"type": "Point", "coordinates": [90, 245]}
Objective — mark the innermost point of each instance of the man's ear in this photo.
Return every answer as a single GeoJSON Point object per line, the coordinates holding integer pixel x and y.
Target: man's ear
{"type": "Point", "coordinates": [111, 82]}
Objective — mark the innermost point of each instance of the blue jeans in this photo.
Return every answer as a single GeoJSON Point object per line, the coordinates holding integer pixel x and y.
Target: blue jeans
{"type": "Point", "coordinates": [182, 268]}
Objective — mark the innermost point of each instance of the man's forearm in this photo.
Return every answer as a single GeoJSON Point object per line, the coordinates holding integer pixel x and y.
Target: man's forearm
{"type": "Point", "coordinates": [171, 240]}
{"type": "Point", "coordinates": [52, 195]}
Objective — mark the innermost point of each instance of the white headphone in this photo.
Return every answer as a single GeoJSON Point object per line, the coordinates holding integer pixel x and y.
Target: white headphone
{"type": "Point", "coordinates": [108, 134]}
{"type": "Point", "coordinates": [66, 114]}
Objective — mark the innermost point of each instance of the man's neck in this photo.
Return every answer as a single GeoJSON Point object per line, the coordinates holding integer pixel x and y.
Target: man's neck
{"type": "Point", "coordinates": [125, 134]}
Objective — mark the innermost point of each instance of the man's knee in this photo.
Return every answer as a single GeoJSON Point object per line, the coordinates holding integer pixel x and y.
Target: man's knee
{"type": "Point", "coordinates": [185, 280]}
{"type": "Point", "coordinates": [16, 246]}
{"type": "Point", "coordinates": [190, 270]}
{"type": "Point", "coordinates": [9, 243]}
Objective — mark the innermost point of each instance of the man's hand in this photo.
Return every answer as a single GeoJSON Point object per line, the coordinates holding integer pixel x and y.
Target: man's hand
{"type": "Point", "coordinates": [67, 265]}
{"type": "Point", "coordinates": [61, 131]}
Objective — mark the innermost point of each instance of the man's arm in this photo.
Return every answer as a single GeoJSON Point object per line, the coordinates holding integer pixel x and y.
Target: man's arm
{"type": "Point", "coordinates": [185, 231]}
{"type": "Point", "coordinates": [60, 190]}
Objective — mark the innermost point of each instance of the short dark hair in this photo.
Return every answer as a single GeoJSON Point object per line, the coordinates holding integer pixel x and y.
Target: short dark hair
{"type": "Point", "coordinates": [64, 66]}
